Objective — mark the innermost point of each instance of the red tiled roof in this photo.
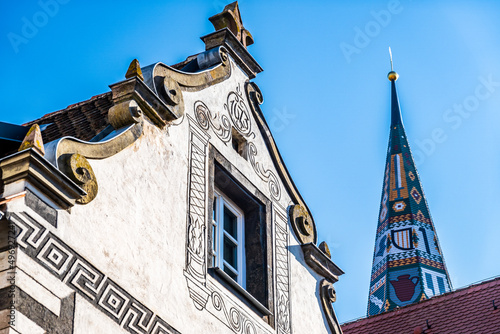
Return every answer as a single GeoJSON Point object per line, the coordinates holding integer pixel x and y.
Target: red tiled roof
{"type": "Point", "coordinates": [82, 120]}
{"type": "Point", "coordinates": [465, 311]}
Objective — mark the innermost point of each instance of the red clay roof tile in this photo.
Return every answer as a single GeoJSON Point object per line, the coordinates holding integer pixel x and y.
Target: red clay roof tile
{"type": "Point", "coordinates": [465, 311]}
{"type": "Point", "coordinates": [82, 120]}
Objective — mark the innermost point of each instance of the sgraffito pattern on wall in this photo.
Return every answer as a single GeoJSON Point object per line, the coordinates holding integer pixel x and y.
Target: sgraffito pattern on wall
{"type": "Point", "coordinates": [219, 122]}
{"type": "Point", "coordinates": [196, 198]}
{"type": "Point", "coordinates": [205, 293]}
{"type": "Point", "coordinates": [79, 274]}
{"type": "Point", "coordinates": [282, 272]}
{"type": "Point", "coordinates": [239, 112]}
{"type": "Point", "coordinates": [240, 118]}
{"type": "Point", "coordinates": [266, 175]}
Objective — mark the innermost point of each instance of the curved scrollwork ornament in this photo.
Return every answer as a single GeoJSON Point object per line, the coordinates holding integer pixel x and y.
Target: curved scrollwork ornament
{"type": "Point", "coordinates": [236, 320]}
{"type": "Point", "coordinates": [328, 296]}
{"type": "Point", "coordinates": [79, 171]}
{"type": "Point", "coordinates": [239, 113]}
{"type": "Point", "coordinates": [70, 154]}
{"type": "Point", "coordinates": [265, 174]}
{"type": "Point", "coordinates": [220, 123]}
{"type": "Point", "coordinates": [302, 224]}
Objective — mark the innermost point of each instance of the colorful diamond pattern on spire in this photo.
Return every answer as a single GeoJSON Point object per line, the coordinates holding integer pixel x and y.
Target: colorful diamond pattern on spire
{"type": "Point", "coordinates": [407, 263]}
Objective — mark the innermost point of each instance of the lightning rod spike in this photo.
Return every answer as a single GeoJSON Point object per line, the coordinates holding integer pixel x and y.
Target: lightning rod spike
{"type": "Point", "coordinates": [392, 76]}
{"type": "Point", "coordinates": [390, 55]}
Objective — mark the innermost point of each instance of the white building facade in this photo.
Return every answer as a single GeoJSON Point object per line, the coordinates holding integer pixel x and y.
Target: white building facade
{"type": "Point", "coordinates": [177, 216]}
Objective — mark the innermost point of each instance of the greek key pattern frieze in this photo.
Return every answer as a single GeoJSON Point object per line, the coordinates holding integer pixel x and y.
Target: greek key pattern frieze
{"type": "Point", "coordinates": [80, 275]}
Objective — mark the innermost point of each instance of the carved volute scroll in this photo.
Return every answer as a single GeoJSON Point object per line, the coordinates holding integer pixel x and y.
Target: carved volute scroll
{"type": "Point", "coordinates": [124, 113]}
{"type": "Point", "coordinates": [70, 154]}
{"type": "Point", "coordinates": [302, 224]}
{"type": "Point", "coordinates": [171, 94]}
{"type": "Point", "coordinates": [328, 296]}
{"type": "Point", "coordinates": [79, 171]}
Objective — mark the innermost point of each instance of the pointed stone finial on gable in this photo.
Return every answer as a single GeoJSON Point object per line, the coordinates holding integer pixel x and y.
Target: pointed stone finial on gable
{"type": "Point", "coordinates": [33, 139]}
{"type": "Point", "coordinates": [230, 18]}
{"type": "Point", "coordinates": [134, 70]}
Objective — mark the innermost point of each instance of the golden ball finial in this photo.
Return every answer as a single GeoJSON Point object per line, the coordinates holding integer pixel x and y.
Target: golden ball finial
{"type": "Point", "coordinates": [393, 76]}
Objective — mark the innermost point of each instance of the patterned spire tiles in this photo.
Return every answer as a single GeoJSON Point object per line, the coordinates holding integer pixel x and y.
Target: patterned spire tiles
{"type": "Point", "coordinates": [407, 263]}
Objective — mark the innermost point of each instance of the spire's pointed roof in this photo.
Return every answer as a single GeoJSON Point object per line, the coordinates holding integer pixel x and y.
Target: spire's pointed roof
{"type": "Point", "coordinates": [407, 264]}
{"type": "Point", "coordinates": [395, 111]}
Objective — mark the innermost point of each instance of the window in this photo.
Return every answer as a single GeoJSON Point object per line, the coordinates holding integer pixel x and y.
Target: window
{"type": "Point", "coordinates": [239, 143]}
{"type": "Point", "coordinates": [239, 239]}
{"type": "Point", "coordinates": [441, 285]}
{"type": "Point", "coordinates": [228, 242]}
{"type": "Point", "coordinates": [430, 284]}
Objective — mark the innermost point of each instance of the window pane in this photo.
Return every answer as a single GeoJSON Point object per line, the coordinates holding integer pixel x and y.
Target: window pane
{"type": "Point", "coordinates": [230, 253]}
{"type": "Point", "coordinates": [214, 216]}
{"type": "Point", "coordinates": [230, 273]}
{"type": "Point", "coordinates": [214, 239]}
{"type": "Point", "coordinates": [230, 223]}
{"type": "Point", "coordinates": [441, 285]}
{"type": "Point", "coordinates": [430, 284]}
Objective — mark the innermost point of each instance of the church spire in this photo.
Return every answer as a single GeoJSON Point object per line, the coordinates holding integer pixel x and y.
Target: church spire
{"type": "Point", "coordinates": [407, 263]}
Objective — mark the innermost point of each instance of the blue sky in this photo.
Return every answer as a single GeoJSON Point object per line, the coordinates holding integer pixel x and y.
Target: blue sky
{"type": "Point", "coordinates": [327, 100]}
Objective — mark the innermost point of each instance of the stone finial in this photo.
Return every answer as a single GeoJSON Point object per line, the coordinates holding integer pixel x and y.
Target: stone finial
{"type": "Point", "coordinates": [230, 18]}
{"type": "Point", "coordinates": [134, 70]}
{"type": "Point", "coordinates": [33, 139]}
{"type": "Point", "coordinates": [325, 249]}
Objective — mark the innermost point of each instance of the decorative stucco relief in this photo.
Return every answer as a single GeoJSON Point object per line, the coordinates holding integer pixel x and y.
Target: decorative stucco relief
{"type": "Point", "coordinates": [233, 316]}
{"type": "Point", "coordinates": [205, 293]}
{"type": "Point", "coordinates": [265, 174]}
{"type": "Point", "coordinates": [239, 113]}
{"type": "Point", "coordinates": [196, 266]}
{"type": "Point", "coordinates": [70, 154]}
{"type": "Point", "coordinates": [282, 271]}
{"type": "Point", "coordinates": [220, 123]}
{"type": "Point", "coordinates": [241, 119]}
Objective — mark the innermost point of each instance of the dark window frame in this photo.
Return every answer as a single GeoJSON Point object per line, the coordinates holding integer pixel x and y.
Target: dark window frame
{"type": "Point", "coordinates": [259, 292]}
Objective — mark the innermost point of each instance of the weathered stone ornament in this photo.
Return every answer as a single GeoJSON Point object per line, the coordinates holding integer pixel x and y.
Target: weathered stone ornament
{"type": "Point", "coordinates": [171, 91]}
{"type": "Point", "coordinates": [328, 296]}
{"type": "Point", "coordinates": [302, 224]}
{"type": "Point", "coordinates": [319, 260]}
{"type": "Point", "coordinates": [79, 171]}
{"type": "Point", "coordinates": [70, 154]}
{"type": "Point", "coordinates": [323, 246]}
{"type": "Point", "coordinates": [134, 70]}
{"type": "Point", "coordinates": [230, 18]}
{"type": "Point", "coordinates": [124, 113]}
{"type": "Point", "coordinates": [33, 139]}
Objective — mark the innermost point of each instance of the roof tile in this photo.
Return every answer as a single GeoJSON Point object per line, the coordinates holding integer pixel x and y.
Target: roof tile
{"type": "Point", "coordinates": [468, 310]}
{"type": "Point", "coordinates": [82, 120]}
